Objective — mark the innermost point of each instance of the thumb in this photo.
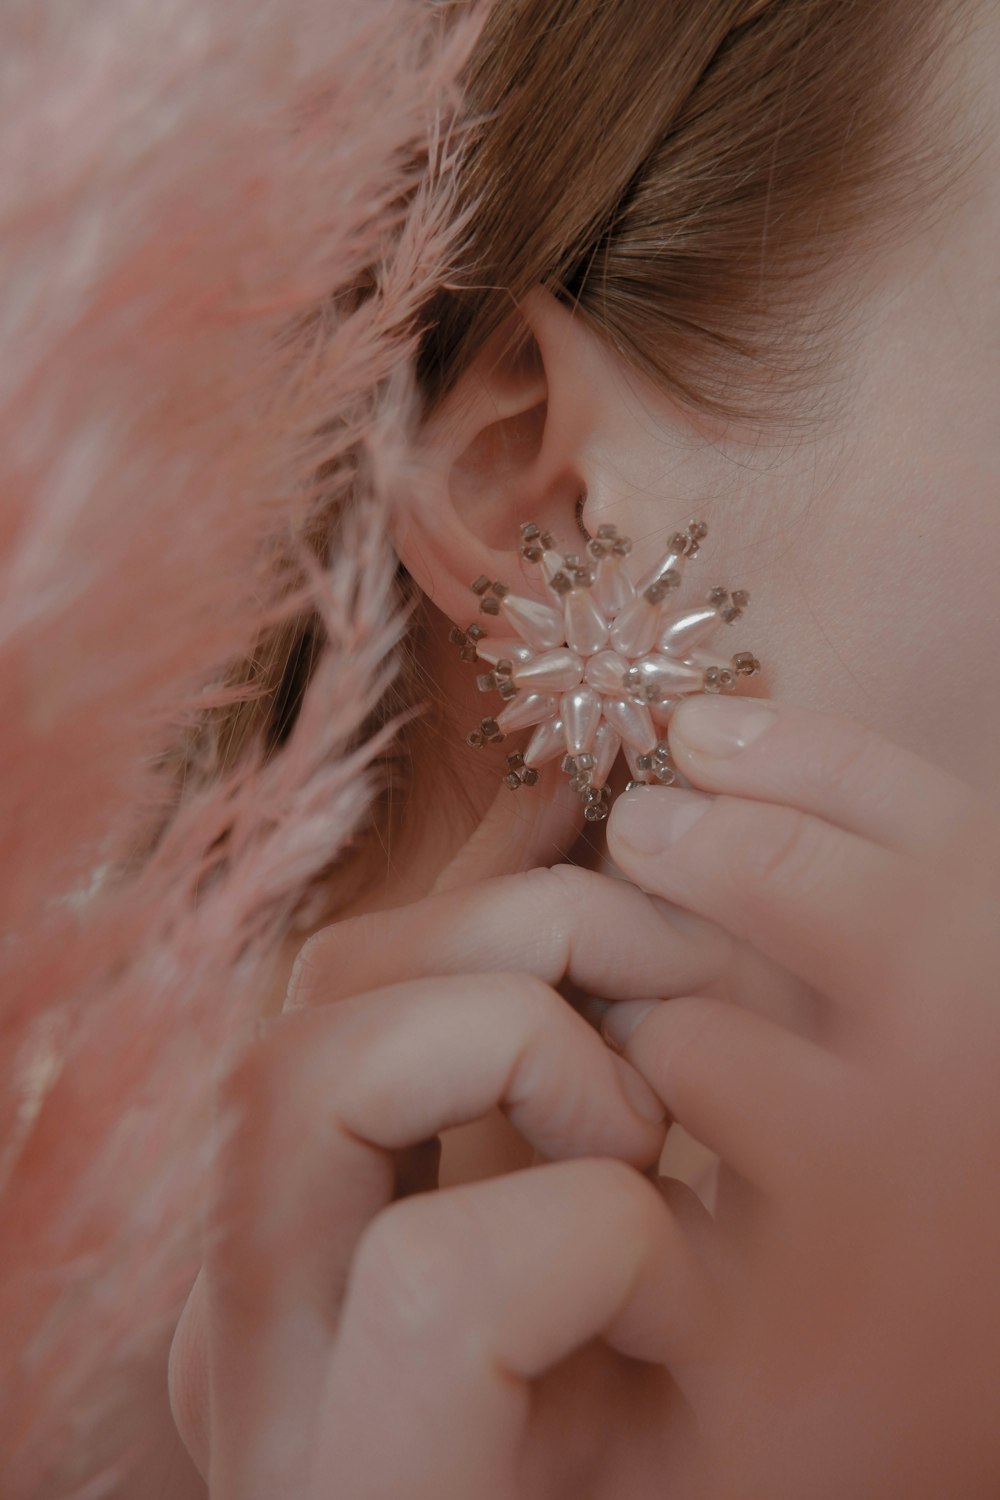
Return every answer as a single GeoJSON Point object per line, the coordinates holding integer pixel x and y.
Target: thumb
{"type": "Point", "coordinates": [521, 830]}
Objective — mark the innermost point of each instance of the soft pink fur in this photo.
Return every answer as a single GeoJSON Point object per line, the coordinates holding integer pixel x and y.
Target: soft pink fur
{"type": "Point", "coordinates": [179, 182]}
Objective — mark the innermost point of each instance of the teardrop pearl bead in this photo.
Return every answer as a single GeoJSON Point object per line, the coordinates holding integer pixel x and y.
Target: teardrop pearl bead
{"type": "Point", "coordinates": [586, 627]}
{"type": "Point", "coordinates": [663, 676]}
{"type": "Point", "coordinates": [606, 672]}
{"type": "Point", "coordinates": [607, 743]}
{"type": "Point", "coordinates": [634, 631]}
{"type": "Point", "coordinates": [492, 651]}
{"type": "Point", "coordinates": [580, 712]}
{"type": "Point", "coordinates": [670, 562]}
{"type": "Point", "coordinates": [633, 722]}
{"type": "Point", "coordinates": [546, 743]}
{"type": "Point", "coordinates": [527, 708]}
{"type": "Point", "coordinates": [614, 589]}
{"type": "Point", "coordinates": [539, 624]}
{"type": "Point", "coordinates": [662, 709]}
{"type": "Point", "coordinates": [680, 634]}
{"type": "Point", "coordinates": [553, 671]}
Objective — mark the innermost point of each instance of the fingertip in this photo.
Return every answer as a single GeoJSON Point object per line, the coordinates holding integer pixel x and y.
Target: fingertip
{"type": "Point", "coordinates": [706, 729]}
{"type": "Point", "coordinates": [523, 829]}
{"type": "Point", "coordinates": [638, 1094]}
{"type": "Point", "coordinates": [647, 820]}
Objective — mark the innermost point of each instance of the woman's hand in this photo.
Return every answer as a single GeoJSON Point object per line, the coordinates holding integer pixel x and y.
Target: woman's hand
{"type": "Point", "coordinates": [856, 1249]}
{"type": "Point", "coordinates": [342, 1344]}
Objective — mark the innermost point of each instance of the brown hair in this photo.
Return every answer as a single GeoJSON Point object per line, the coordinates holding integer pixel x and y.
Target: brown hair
{"type": "Point", "coordinates": [686, 171]}
{"type": "Point", "coordinates": [690, 175]}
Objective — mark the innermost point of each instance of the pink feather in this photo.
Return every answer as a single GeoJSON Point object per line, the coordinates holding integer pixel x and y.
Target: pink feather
{"type": "Point", "coordinates": [187, 186]}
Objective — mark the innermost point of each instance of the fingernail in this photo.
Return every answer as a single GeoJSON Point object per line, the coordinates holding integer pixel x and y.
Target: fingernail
{"type": "Point", "coordinates": [622, 1019]}
{"type": "Point", "coordinates": [720, 726]}
{"type": "Point", "coordinates": [638, 1094]}
{"type": "Point", "coordinates": [652, 818]}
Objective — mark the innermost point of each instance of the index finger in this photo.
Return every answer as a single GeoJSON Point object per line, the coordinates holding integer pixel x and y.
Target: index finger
{"type": "Point", "coordinates": [819, 763]}
{"type": "Point", "coordinates": [603, 935]}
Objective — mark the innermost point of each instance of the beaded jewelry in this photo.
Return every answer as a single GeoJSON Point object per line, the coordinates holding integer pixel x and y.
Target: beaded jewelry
{"type": "Point", "coordinates": [601, 668]}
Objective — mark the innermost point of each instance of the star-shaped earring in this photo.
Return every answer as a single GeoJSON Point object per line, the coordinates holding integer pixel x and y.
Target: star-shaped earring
{"type": "Point", "coordinates": [600, 668]}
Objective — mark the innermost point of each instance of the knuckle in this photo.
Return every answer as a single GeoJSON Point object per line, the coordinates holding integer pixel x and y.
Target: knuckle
{"type": "Point", "coordinates": [557, 896]}
{"type": "Point", "coordinates": [408, 1264]}
{"type": "Point", "coordinates": [525, 993]}
{"type": "Point", "coordinates": [775, 852]}
{"type": "Point", "coordinates": [571, 883]}
{"type": "Point", "coordinates": [854, 759]}
{"type": "Point", "coordinates": [570, 899]}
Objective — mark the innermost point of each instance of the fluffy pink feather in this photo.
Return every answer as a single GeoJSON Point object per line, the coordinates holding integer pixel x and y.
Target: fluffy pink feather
{"type": "Point", "coordinates": [187, 186]}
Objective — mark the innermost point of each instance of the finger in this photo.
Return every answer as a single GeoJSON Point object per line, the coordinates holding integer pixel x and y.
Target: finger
{"type": "Point", "coordinates": [835, 909]}
{"type": "Point", "coordinates": [315, 1113]}
{"type": "Point", "coordinates": [741, 1085]}
{"type": "Point", "coordinates": [534, 826]}
{"type": "Point", "coordinates": [821, 764]}
{"type": "Point", "coordinates": [457, 1303]}
{"type": "Point", "coordinates": [559, 924]}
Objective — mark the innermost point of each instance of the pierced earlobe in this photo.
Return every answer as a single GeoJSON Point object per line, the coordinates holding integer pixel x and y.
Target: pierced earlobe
{"type": "Point", "coordinates": [598, 668]}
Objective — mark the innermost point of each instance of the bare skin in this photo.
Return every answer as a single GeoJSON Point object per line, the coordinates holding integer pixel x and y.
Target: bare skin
{"type": "Point", "coordinates": [805, 977]}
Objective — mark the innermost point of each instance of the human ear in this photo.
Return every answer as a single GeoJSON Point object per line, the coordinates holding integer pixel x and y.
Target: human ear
{"type": "Point", "coordinates": [520, 437]}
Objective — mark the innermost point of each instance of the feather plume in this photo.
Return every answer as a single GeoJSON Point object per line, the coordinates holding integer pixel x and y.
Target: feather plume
{"type": "Point", "coordinates": [193, 193]}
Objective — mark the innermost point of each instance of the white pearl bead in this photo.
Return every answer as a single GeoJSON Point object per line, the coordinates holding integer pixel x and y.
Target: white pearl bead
{"type": "Point", "coordinates": [553, 671]}
{"type": "Point", "coordinates": [492, 651]}
{"type": "Point", "coordinates": [586, 627]}
{"type": "Point", "coordinates": [670, 562]}
{"type": "Point", "coordinates": [606, 672]}
{"type": "Point", "coordinates": [633, 722]}
{"type": "Point", "coordinates": [607, 743]}
{"type": "Point", "coordinates": [613, 589]}
{"type": "Point", "coordinates": [662, 710]}
{"type": "Point", "coordinates": [539, 624]}
{"type": "Point", "coordinates": [545, 744]}
{"type": "Point", "coordinates": [682, 633]}
{"type": "Point", "coordinates": [634, 631]}
{"type": "Point", "coordinates": [663, 676]}
{"type": "Point", "coordinates": [527, 708]}
{"type": "Point", "coordinates": [580, 712]}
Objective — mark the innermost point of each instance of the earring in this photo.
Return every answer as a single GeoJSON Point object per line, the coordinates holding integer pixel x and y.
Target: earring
{"type": "Point", "coordinates": [600, 668]}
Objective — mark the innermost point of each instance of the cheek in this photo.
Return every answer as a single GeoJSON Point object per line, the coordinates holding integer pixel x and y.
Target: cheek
{"type": "Point", "coordinates": [884, 585]}
{"type": "Point", "coordinates": [899, 601]}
